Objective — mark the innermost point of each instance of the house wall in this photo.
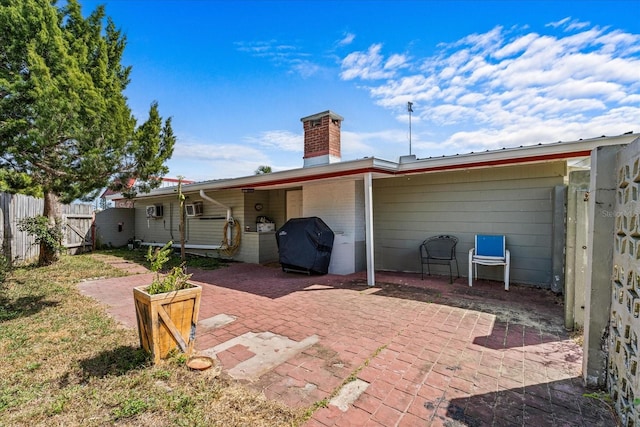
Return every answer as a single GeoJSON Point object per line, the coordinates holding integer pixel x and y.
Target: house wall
{"type": "Point", "coordinates": [260, 247]}
{"type": "Point", "coordinates": [360, 228]}
{"type": "Point", "coordinates": [251, 214]}
{"type": "Point", "coordinates": [516, 201]}
{"type": "Point", "coordinates": [204, 230]}
{"type": "Point", "coordinates": [114, 227]}
{"type": "Point", "coordinates": [340, 204]}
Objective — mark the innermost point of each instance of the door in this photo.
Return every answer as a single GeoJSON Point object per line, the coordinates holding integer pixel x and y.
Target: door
{"type": "Point", "coordinates": [293, 204]}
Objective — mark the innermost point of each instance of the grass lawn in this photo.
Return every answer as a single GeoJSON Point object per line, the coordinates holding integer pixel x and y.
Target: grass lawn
{"type": "Point", "coordinates": [139, 256]}
{"type": "Point", "coordinates": [65, 362]}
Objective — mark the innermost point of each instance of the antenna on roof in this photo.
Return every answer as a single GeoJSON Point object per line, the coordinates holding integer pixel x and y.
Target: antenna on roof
{"type": "Point", "coordinates": [410, 110]}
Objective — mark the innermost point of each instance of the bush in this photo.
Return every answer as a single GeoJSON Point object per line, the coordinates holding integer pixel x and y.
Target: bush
{"type": "Point", "coordinates": [42, 231]}
{"type": "Point", "coordinates": [175, 280]}
{"type": "Point", "coordinates": [5, 266]}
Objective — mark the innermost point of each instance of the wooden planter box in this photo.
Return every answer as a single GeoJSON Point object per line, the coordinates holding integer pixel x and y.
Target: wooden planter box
{"type": "Point", "coordinates": [167, 321]}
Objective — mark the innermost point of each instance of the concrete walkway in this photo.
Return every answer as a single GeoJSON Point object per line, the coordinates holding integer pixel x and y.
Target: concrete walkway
{"type": "Point", "coordinates": [422, 353]}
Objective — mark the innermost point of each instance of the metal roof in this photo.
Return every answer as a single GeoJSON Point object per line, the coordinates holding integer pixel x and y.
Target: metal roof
{"type": "Point", "coordinates": [383, 168]}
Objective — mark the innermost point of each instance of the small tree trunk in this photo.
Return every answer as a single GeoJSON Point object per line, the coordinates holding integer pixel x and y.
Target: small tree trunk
{"type": "Point", "coordinates": [181, 198]}
{"type": "Point", "coordinates": [52, 213]}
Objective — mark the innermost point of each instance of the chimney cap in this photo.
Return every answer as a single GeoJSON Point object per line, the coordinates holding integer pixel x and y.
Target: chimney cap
{"type": "Point", "coordinates": [317, 116]}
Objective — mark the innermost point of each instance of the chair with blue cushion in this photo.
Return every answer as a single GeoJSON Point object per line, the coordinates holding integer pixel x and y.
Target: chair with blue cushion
{"type": "Point", "coordinates": [489, 250]}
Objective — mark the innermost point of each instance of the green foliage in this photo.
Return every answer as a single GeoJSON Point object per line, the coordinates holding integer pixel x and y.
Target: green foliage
{"type": "Point", "coordinates": [192, 261]}
{"type": "Point", "coordinates": [43, 232]}
{"type": "Point", "coordinates": [64, 118]}
{"type": "Point", "coordinates": [175, 280]}
{"type": "Point", "coordinates": [57, 370]}
{"type": "Point", "coordinates": [14, 182]}
{"type": "Point", "coordinates": [263, 170]}
{"type": "Point", "coordinates": [130, 408]}
{"type": "Point", "coordinates": [5, 267]}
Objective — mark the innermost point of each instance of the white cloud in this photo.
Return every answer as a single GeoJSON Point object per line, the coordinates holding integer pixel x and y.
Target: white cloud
{"type": "Point", "coordinates": [214, 161]}
{"type": "Point", "coordinates": [362, 144]}
{"type": "Point", "coordinates": [367, 65]}
{"type": "Point", "coordinates": [216, 152]}
{"type": "Point", "coordinates": [509, 87]}
{"type": "Point", "coordinates": [305, 69]}
{"type": "Point", "coordinates": [396, 61]}
{"type": "Point", "coordinates": [569, 24]}
{"type": "Point", "coordinates": [279, 140]}
{"type": "Point", "coordinates": [559, 23]}
{"type": "Point", "coordinates": [347, 39]}
{"type": "Point", "coordinates": [282, 54]}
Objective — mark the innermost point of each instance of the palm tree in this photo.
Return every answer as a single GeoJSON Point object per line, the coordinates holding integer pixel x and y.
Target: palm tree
{"type": "Point", "coordinates": [262, 170]}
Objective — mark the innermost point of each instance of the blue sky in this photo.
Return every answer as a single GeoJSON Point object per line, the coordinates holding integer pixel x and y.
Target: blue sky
{"type": "Point", "coordinates": [237, 76]}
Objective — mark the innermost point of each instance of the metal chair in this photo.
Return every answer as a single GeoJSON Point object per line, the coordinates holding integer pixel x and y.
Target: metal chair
{"type": "Point", "coordinates": [439, 250]}
{"type": "Point", "coordinates": [490, 250]}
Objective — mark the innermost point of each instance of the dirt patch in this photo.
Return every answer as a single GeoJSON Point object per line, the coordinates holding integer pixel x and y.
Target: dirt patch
{"type": "Point", "coordinates": [508, 307]}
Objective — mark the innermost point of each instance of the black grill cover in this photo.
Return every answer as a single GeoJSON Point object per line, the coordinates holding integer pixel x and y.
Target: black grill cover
{"type": "Point", "coordinates": [305, 245]}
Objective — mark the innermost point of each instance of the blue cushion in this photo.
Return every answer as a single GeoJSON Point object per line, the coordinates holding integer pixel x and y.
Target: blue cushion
{"type": "Point", "coordinates": [490, 245]}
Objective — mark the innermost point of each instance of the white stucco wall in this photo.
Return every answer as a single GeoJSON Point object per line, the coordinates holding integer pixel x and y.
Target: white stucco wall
{"type": "Point", "coordinates": [338, 204]}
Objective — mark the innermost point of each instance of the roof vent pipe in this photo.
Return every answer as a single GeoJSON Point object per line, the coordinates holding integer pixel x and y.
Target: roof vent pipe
{"type": "Point", "coordinates": [215, 202]}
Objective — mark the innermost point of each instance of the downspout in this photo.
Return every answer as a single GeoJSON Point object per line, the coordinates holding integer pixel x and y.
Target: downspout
{"type": "Point", "coordinates": [229, 214]}
{"type": "Point", "coordinates": [215, 202]}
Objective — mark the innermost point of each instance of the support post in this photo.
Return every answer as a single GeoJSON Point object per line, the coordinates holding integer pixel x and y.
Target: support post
{"type": "Point", "coordinates": [599, 264]}
{"type": "Point", "coordinates": [368, 219]}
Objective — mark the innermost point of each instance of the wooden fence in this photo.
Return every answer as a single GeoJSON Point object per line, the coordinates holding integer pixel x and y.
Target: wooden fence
{"type": "Point", "coordinates": [19, 248]}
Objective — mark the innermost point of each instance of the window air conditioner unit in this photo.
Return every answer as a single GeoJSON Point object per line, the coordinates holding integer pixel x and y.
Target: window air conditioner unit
{"type": "Point", "coordinates": [194, 209]}
{"type": "Point", "coordinates": [154, 211]}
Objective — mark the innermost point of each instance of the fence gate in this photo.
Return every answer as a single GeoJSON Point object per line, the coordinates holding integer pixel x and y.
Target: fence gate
{"type": "Point", "coordinates": [76, 230]}
{"type": "Point", "coordinates": [624, 325]}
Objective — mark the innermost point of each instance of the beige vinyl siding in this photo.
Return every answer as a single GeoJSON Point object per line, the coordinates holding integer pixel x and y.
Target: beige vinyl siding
{"type": "Point", "coordinates": [360, 229]}
{"type": "Point", "coordinates": [514, 201]}
{"type": "Point", "coordinates": [276, 208]}
{"type": "Point", "coordinates": [208, 229]}
{"type": "Point", "coordinates": [157, 230]}
{"type": "Point", "coordinates": [204, 230]}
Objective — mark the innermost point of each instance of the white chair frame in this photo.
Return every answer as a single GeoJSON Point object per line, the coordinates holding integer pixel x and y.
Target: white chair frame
{"type": "Point", "coordinates": [478, 258]}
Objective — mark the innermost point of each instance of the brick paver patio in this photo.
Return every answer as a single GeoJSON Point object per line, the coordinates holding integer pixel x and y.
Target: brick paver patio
{"type": "Point", "coordinates": [428, 352]}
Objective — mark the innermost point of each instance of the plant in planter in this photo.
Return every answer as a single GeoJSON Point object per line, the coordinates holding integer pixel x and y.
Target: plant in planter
{"type": "Point", "coordinates": [167, 309]}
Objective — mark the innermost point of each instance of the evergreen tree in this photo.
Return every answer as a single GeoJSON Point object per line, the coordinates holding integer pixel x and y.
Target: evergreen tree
{"type": "Point", "coordinates": [14, 182]}
{"type": "Point", "coordinates": [64, 119]}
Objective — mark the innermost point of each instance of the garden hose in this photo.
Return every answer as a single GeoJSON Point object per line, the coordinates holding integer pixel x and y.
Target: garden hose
{"type": "Point", "coordinates": [227, 249]}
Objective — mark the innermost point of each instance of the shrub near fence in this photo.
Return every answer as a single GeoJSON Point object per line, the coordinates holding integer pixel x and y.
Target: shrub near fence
{"type": "Point", "coordinates": [18, 247]}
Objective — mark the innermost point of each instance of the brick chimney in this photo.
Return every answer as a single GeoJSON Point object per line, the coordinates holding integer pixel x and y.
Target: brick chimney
{"type": "Point", "coordinates": [321, 138]}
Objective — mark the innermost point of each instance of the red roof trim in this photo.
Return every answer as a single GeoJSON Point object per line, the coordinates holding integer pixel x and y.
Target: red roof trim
{"type": "Point", "coordinates": [497, 162]}
{"type": "Point", "coordinates": [310, 178]}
